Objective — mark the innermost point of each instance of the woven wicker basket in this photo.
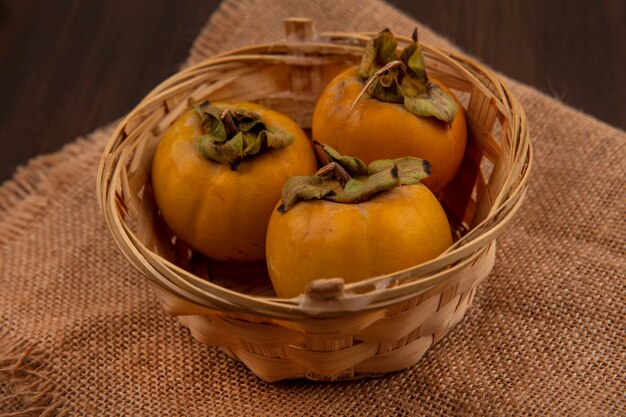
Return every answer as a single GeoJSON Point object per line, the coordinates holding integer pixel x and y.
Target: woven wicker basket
{"type": "Point", "coordinates": [334, 332]}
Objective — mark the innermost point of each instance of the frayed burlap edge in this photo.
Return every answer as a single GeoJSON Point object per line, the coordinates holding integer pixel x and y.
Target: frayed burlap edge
{"type": "Point", "coordinates": [25, 371]}
{"type": "Point", "coordinates": [25, 374]}
{"type": "Point", "coordinates": [25, 367]}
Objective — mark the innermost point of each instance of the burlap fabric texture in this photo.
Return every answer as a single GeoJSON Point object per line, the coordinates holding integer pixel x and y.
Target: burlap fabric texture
{"type": "Point", "coordinates": [81, 333]}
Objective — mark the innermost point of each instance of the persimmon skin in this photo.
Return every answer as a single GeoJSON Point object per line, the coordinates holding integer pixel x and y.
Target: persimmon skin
{"type": "Point", "coordinates": [317, 239]}
{"type": "Point", "coordinates": [378, 130]}
{"type": "Point", "coordinates": [220, 212]}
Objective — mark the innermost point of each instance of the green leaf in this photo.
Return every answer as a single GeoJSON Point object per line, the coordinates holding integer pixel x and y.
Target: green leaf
{"type": "Point", "coordinates": [236, 143]}
{"type": "Point", "coordinates": [252, 143]}
{"type": "Point", "coordinates": [354, 166]}
{"type": "Point", "coordinates": [415, 61]}
{"type": "Point", "coordinates": [303, 188]}
{"type": "Point", "coordinates": [211, 123]}
{"type": "Point", "coordinates": [411, 170]}
{"type": "Point", "coordinates": [434, 102]}
{"type": "Point", "coordinates": [230, 152]}
{"type": "Point", "coordinates": [276, 138]}
{"type": "Point", "coordinates": [379, 50]}
{"type": "Point", "coordinates": [248, 121]}
{"type": "Point", "coordinates": [357, 191]}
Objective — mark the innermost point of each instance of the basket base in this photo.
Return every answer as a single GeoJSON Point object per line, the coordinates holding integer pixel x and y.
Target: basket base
{"type": "Point", "coordinates": [368, 344]}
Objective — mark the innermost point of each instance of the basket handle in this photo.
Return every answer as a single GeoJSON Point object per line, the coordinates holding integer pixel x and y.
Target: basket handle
{"type": "Point", "coordinates": [322, 290]}
{"type": "Point", "coordinates": [299, 29]}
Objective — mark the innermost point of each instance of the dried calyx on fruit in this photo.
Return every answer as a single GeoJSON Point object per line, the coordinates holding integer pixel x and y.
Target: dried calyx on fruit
{"type": "Point", "coordinates": [348, 180]}
{"type": "Point", "coordinates": [354, 222]}
{"type": "Point", "coordinates": [231, 135]}
{"type": "Point", "coordinates": [217, 211]}
{"type": "Point", "coordinates": [401, 78]}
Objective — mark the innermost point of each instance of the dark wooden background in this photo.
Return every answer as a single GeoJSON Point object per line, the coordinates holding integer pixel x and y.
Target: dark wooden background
{"type": "Point", "coordinates": [68, 67]}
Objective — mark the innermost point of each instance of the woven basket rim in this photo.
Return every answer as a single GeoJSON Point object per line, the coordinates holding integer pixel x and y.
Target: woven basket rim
{"type": "Point", "coordinates": [199, 291]}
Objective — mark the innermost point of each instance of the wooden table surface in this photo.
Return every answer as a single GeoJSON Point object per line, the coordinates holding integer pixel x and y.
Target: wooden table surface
{"type": "Point", "coordinates": [69, 67]}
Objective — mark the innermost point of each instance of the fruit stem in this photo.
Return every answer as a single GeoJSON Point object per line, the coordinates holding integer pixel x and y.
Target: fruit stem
{"type": "Point", "coordinates": [378, 74]}
{"type": "Point", "coordinates": [337, 171]}
{"type": "Point", "coordinates": [229, 123]}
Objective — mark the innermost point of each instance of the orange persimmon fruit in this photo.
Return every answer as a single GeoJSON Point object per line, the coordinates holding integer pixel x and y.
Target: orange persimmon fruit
{"type": "Point", "coordinates": [218, 172]}
{"type": "Point", "coordinates": [389, 108]}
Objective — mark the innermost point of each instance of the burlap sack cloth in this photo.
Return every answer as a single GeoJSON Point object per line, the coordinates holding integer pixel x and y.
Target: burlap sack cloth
{"type": "Point", "coordinates": [81, 333]}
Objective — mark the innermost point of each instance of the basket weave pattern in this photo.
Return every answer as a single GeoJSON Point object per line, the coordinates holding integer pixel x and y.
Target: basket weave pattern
{"type": "Point", "coordinates": [334, 331]}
